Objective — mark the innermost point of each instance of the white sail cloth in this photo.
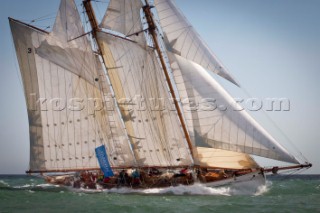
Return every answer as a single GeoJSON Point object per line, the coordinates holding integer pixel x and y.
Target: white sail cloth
{"type": "Point", "coordinates": [181, 39]}
{"type": "Point", "coordinates": [213, 117]}
{"type": "Point", "coordinates": [123, 16]}
{"type": "Point", "coordinates": [142, 93]}
{"type": "Point", "coordinates": [63, 86]}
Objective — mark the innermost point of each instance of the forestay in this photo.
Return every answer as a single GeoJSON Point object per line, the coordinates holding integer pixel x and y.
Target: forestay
{"type": "Point", "coordinates": [66, 124]}
{"type": "Point", "coordinates": [215, 120]}
{"type": "Point", "coordinates": [181, 39]}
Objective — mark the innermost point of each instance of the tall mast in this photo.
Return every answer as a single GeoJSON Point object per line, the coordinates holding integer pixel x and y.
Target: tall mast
{"type": "Point", "coordinates": [152, 30]}
{"type": "Point", "coordinates": [92, 18]}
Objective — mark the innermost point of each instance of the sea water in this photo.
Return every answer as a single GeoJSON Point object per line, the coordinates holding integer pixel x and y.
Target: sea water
{"type": "Point", "coordinates": [300, 193]}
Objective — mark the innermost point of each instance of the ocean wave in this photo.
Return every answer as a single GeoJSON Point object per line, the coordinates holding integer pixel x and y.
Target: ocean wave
{"type": "Point", "coordinates": [3, 183]}
{"type": "Point", "coordinates": [36, 186]}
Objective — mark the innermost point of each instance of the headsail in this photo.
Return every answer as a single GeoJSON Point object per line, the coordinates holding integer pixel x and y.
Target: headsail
{"type": "Point", "coordinates": [214, 119]}
{"type": "Point", "coordinates": [183, 40]}
{"type": "Point", "coordinates": [66, 124]}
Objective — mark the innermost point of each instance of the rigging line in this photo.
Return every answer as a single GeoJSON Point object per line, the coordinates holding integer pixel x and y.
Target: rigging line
{"type": "Point", "coordinates": [42, 17]}
{"type": "Point", "coordinates": [153, 130]}
{"type": "Point", "coordinates": [131, 56]}
{"type": "Point", "coordinates": [161, 115]}
{"type": "Point", "coordinates": [118, 112]}
{"type": "Point", "coordinates": [115, 18]}
{"type": "Point", "coordinates": [135, 22]}
{"type": "Point", "coordinates": [286, 174]}
{"type": "Point", "coordinates": [107, 85]}
{"type": "Point", "coordinates": [79, 36]}
{"type": "Point", "coordinates": [167, 62]}
{"type": "Point", "coordinates": [39, 20]}
{"type": "Point", "coordinates": [278, 128]}
{"type": "Point", "coordinates": [159, 72]}
{"type": "Point", "coordinates": [99, 1]}
{"type": "Point", "coordinates": [124, 72]}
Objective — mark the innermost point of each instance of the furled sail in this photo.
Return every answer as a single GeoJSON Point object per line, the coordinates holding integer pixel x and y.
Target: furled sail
{"type": "Point", "coordinates": [181, 39]}
{"type": "Point", "coordinates": [218, 158]}
{"type": "Point", "coordinates": [142, 94]}
{"type": "Point", "coordinates": [65, 90]}
{"type": "Point", "coordinates": [215, 120]}
{"type": "Point", "coordinates": [123, 16]}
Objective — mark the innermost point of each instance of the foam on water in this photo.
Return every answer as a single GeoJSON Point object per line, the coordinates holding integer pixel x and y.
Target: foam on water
{"type": "Point", "coordinates": [195, 189]}
{"type": "Point", "coordinates": [263, 189]}
{"type": "Point", "coordinates": [3, 183]}
{"type": "Point", "coordinates": [30, 186]}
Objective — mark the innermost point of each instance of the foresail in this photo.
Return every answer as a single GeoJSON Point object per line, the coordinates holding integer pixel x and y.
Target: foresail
{"type": "Point", "coordinates": [142, 93]}
{"type": "Point", "coordinates": [218, 158]}
{"type": "Point", "coordinates": [123, 16]}
{"type": "Point", "coordinates": [66, 92]}
{"type": "Point", "coordinates": [181, 39]}
{"type": "Point", "coordinates": [215, 120]}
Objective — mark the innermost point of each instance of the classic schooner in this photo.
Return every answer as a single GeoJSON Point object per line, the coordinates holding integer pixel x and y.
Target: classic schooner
{"type": "Point", "coordinates": [138, 87]}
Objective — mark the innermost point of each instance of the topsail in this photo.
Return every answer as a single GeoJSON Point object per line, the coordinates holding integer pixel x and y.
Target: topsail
{"type": "Point", "coordinates": [181, 38]}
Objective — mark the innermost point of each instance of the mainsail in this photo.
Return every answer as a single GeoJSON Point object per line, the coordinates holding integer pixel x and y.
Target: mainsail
{"type": "Point", "coordinates": [63, 84]}
{"type": "Point", "coordinates": [143, 98]}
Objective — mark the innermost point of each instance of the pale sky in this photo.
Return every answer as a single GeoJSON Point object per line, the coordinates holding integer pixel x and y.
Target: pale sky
{"type": "Point", "coordinates": [271, 47]}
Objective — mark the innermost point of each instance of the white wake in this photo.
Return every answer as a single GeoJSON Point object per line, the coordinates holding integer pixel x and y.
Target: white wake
{"type": "Point", "coordinates": [195, 189]}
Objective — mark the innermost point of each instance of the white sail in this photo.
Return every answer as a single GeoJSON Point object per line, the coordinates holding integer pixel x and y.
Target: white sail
{"type": "Point", "coordinates": [66, 124]}
{"type": "Point", "coordinates": [123, 16]}
{"type": "Point", "coordinates": [218, 158]}
{"type": "Point", "coordinates": [141, 91]}
{"type": "Point", "coordinates": [214, 119]}
{"type": "Point", "coordinates": [181, 39]}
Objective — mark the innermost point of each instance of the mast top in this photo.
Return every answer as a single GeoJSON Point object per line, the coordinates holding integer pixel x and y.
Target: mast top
{"type": "Point", "coordinates": [91, 16]}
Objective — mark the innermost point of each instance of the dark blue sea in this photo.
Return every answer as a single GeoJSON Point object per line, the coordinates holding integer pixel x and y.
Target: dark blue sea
{"type": "Point", "coordinates": [299, 193]}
